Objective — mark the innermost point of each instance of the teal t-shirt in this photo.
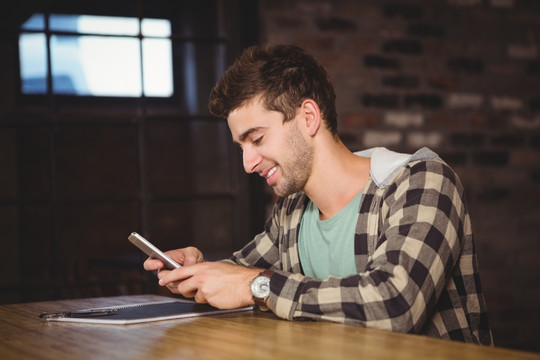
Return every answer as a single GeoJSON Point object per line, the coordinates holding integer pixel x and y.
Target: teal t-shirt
{"type": "Point", "coordinates": [326, 247]}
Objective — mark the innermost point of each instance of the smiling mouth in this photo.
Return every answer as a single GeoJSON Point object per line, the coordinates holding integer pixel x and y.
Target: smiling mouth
{"type": "Point", "coordinates": [271, 172]}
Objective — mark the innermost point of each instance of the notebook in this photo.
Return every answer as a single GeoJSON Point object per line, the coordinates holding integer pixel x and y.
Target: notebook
{"type": "Point", "coordinates": [139, 313]}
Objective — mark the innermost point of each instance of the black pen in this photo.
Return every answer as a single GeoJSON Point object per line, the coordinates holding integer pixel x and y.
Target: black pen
{"type": "Point", "coordinates": [79, 313]}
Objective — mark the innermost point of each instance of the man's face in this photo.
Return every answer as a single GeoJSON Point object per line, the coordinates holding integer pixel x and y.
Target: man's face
{"type": "Point", "coordinates": [275, 150]}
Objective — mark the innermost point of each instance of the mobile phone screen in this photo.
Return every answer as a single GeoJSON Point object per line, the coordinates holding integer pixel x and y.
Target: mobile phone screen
{"type": "Point", "coordinates": [149, 249]}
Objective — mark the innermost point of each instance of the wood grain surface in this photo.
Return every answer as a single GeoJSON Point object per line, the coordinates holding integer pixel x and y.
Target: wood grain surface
{"type": "Point", "coordinates": [245, 335]}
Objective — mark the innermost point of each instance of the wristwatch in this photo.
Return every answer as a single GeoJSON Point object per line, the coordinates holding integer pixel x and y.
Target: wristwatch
{"type": "Point", "coordinates": [260, 287]}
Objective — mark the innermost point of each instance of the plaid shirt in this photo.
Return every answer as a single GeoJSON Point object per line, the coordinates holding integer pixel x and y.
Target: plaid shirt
{"type": "Point", "coordinates": [414, 252]}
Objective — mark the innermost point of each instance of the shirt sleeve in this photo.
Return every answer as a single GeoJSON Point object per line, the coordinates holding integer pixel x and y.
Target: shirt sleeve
{"type": "Point", "coordinates": [420, 230]}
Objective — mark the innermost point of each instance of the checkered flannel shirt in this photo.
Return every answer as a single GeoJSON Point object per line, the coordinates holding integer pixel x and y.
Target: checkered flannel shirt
{"type": "Point", "coordinates": [414, 252]}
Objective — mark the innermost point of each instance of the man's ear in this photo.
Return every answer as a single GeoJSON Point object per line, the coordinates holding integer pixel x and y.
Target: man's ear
{"type": "Point", "coordinates": [311, 114]}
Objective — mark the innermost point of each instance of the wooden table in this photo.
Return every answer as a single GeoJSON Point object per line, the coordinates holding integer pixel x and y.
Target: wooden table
{"type": "Point", "coordinates": [245, 335]}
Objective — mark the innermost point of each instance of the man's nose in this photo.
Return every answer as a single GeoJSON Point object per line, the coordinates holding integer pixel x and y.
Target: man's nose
{"type": "Point", "coordinates": [251, 159]}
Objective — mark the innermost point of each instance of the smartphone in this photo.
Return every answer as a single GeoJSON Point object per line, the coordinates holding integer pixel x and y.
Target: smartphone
{"type": "Point", "coordinates": [149, 249]}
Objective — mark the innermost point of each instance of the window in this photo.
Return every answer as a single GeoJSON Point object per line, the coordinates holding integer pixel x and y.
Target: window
{"type": "Point", "coordinates": [96, 56]}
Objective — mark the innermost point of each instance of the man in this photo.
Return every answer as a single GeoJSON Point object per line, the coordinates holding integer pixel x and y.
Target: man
{"type": "Point", "coordinates": [376, 239]}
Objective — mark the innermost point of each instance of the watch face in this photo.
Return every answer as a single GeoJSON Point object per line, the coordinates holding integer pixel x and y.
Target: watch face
{"type": "Point", "coordinates": [260, 287]}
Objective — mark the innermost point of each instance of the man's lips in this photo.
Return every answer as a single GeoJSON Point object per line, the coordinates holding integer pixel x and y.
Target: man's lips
{"type": "Point", "coordinates": [270, 172]}
{"type": "Point", "coordinates": [267, 174]}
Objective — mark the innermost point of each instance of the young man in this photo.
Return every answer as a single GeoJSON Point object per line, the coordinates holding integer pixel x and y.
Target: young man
{"type": "Point", "coordinates": [376, 239]}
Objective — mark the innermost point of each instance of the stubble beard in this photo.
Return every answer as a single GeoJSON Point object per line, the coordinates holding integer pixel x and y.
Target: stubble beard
{"type": "Point", "coordinates": [297, 167]}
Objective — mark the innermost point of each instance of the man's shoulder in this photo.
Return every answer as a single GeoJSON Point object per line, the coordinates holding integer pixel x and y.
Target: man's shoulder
{"type": "Point", "coordinates": [386, 164]}
{"type": "Point", "coordinates": [432, 173]}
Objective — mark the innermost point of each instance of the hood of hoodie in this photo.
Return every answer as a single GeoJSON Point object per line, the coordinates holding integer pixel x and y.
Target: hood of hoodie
{"type": "Point", "coordinates": [385, 163]}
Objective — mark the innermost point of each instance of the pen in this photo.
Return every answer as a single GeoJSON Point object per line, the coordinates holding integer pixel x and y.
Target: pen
{"type": "Point", "coordinates": [79, 313]}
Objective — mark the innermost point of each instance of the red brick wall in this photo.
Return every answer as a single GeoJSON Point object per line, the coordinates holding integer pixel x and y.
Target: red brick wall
{"type": "Point", "coordinates": [459, 76]}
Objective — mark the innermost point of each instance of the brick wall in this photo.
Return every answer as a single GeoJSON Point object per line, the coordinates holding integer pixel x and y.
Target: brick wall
{"type": "Point", "coordinates": [459, 76]}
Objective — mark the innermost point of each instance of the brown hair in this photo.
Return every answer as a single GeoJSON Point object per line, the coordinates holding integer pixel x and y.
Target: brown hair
{"type": "Point", "coordinates": [282, 75]}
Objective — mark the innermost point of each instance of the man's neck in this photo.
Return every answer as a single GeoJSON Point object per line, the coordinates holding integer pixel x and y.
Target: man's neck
{"type": "Point", "coordinates": [337, 177]}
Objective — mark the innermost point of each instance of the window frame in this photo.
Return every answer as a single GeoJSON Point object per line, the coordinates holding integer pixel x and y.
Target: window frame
{"type": "Point", "coordinates": [172, 103]}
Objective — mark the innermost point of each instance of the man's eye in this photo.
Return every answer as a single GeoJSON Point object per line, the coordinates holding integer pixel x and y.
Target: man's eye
{"type": "Point", "coordinates": [257, 141]}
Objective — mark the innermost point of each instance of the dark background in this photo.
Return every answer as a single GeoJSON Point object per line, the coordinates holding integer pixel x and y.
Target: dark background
{"type": "Point", "coordinates": [460, 76]}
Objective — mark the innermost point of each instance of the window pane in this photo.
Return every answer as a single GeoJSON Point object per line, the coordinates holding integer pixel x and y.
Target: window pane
{"type": "Point", "coordinates": [33, 55]}
{"type": "Point", "coordinates": [156, 27]}
{"type": "Point", "coordinates": [157, 67]}
{"type": "Point", "coordinates": [94, 65]}
{"type": "Point", "coordinates": [63, 22]}
{"type": "Point", "coordinates": [36, 22]}
{"type": "Point", "coordinates": [88, 24]}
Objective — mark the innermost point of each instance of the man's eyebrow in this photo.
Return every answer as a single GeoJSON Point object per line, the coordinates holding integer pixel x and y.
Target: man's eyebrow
{"type": "Point", "coordinates": [248, 132]}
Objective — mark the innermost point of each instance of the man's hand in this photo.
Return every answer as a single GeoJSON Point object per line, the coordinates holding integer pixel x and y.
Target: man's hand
{"type": "Point", "coordinates": [184, 257]}
{"type": "Point", "coordinates": [222, 285]}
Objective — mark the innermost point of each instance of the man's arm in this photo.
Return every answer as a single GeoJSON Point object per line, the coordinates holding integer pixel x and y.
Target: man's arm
{"type": "Point", "coordinates": [226, 283]}
{"type": "Point", "coordinates": [222, 285]}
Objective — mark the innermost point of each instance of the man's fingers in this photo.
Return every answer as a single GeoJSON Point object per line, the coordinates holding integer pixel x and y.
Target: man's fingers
{"type": "Point", "coordinates": [152, 264]}
{"type": "Point", "coordinates": [190, 260]}
{"type": "Point", "coordinates": [192, 256]}
{"type": "Point", "coordinates": [176, 275]}
{"type": "Point", "coordinates": [199, 298]}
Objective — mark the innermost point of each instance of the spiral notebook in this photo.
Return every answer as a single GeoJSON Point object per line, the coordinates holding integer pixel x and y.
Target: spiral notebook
{"type": "Point", "coordinates": [139, 313]}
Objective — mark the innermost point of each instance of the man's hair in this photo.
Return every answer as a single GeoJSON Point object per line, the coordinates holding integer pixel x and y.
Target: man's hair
{"type": "Point", "coordinates": [283, 76]}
